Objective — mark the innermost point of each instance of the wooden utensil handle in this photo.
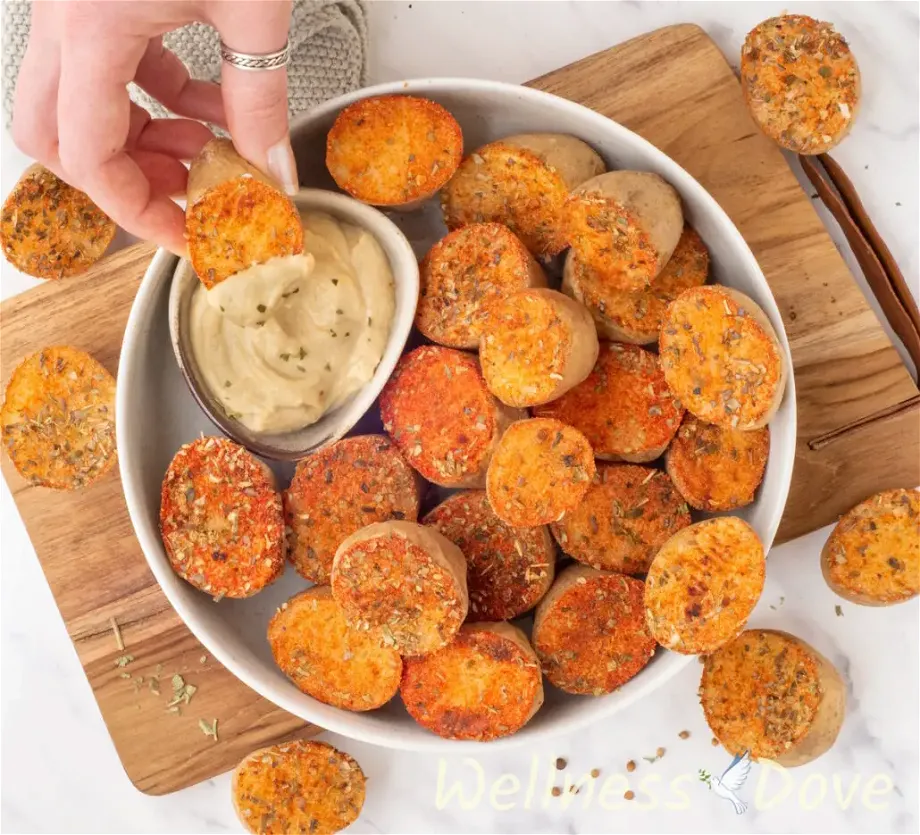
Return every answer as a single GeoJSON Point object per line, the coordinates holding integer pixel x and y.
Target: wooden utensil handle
{"type": "Point", "coordinates": [875, 259]}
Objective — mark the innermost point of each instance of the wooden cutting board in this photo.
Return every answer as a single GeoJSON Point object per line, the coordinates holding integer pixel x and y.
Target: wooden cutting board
{"type": "Point", "coordinates": [858, 429]}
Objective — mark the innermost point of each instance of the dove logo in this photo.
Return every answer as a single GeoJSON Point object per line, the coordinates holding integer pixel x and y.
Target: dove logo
{"type": "Point", "coordinates": [732, 780]}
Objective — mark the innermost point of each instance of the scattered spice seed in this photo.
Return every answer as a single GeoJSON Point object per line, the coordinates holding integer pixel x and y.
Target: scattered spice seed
{"type": "Point", "coordinates": [714, 742]}
{"type": "Point", "coordinates": [560, 763]}
{"type": "Point", "coordinates": [659, 753]}
{"type": "Point", "coordinates": [574, 789]}
{"type": "Point", "coordinates": [208, 730]}
{"type": "Point", "coordinates": [629, 795]}
{"type": "Point", "coordinates": [595, 773]}
{"type": "Point", "coordinates": [684, 734]}
{"type": "Point", "coordinates": [117, 632]}
{"type": "Point", "coordinates": [839, 611]}
{"type": "Point", "coordinates": [631, 765]}
{"type": "Point", "coordinates": [556, 791]}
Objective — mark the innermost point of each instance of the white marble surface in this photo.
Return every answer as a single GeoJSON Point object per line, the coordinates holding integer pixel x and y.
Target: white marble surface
{"type": "Point", "coordinates": [60, 771]}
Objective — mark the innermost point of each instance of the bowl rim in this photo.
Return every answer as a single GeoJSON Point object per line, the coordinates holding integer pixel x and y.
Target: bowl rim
{"type": "Point", "coordinates": [341, 419]}
{"type": "Point", "coordinates": [340, 721]}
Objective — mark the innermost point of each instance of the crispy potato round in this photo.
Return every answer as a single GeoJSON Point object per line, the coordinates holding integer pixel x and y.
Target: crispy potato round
{"type": "Point", "coordinates": [771, 694]}
{"type": "Point", "coordinates": [521, 181]}
{"type": "Point", "coordinates": [404, 584]}
{"type": "Point", "coordinates": [872, 556]}
{"type": "Point", "coordinates": [624, 408]}
{"type": "Point", "coordinates": [716, 467]}
{"type": "Point", "coordinates": [236, 216]}
{"type": "Point", "coordinates": [801, 82]}
{"type": "Point", "coordinates": [722, 358]}
{"type": "Point", "coordinates": [49, 229]}
{"type": "Point", "coordinates": [508, 569]}
{"type": "Point", "coordinates": [221, 519]}
{"type": "Point", "coordinates": [537, 345]}
{"type": "Point", "coordinates": [464, 275]}
{"type": "Point", "coordinates": [327, 659]}
{"type": "Point", "coordinates": [590, 632]}
{"type": "Point", "coordinates": [628, 513]}
{"type": "Point", "coordinates": [540, 471]}
{"type": "Point", "coordinates": [339, 490]}
{"type": "Point", "coordinates": [703, 585]}
{"type": "Point", "coordinates": [483, 685]}
{"type": "Point", "coordinates": [300, 786]}
{"type": "Point", "coordinates": [393, 150]}
{"type": "Point", "coordinates": [438, 411]}
{"type": "Point", "coordinates": [58, 419]}
{"type": "Point", "coordinates": [636, 316]}
{"type": "Point", "coordinates": [623, 225]}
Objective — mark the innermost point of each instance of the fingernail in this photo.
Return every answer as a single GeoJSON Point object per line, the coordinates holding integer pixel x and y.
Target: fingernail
{"type": "Point", "coordinates": [282, 166]}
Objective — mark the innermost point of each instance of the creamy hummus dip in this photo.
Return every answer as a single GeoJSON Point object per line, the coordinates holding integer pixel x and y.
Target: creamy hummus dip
{"type": "Point", "coordinates": [281, 343]}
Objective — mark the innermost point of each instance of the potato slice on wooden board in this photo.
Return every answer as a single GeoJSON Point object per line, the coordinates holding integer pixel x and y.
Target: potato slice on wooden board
{"type": "Point", "coordinates": [341, 489]}
{"type": "Point", "coordinates": [590, 631]}
{"type": "Point", "coordinates": [301, 786]}
{"type": "Point", "coordinates": [628, 513]}
{"type": "Point", "coordinates": [51, 230]}
{"type": "Point", "coordinates": [314, 646]}
{"type": "Point", "coordinates": [236, 216]}
{"type": "Point", "coordinates": [508, 569]}
{"type": "Point", "coordinates": [438, 411]}
{"type": "Point", "coordinates": [521, 181]}
{"type": "Point", "coordinates": [636, 316]}
{"type": "Point", "coordinates": [722, 358]}
{"type": "Point", "coordinates": [404, 584]}
{"type": "Point", "coordinates": [393, 150]}
{"type": "Point", "coordinates": [872, 556]}
{"type": "Point", "coordinates": [624, 225]}
{"type": "Point", "coordinates": [717, 467]}
{"type": "Point", "coordinates": [801, 82]}
{"type": "Point", "coordinates": [464, 275]}
{"type": "Point", "coordinates": [485, 684]}
{"type": "Point", "coordinates": [221, 519]}
{"type": "Point", "coordinates": [58, 419]}
{"type": "Point", "coordinates": [540, 471]}
{"type": "Point", "coordinates": [703, 585]}
{"type": "Point", "coordinates": [624, 407]}
{"type": "Point", "coordinates": [771, 694]}
{"type": "Point", "coordinates": [536, 346]}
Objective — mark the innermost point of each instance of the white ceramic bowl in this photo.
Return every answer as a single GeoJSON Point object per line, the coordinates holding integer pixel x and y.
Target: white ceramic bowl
{"type": "Point", "coordinates": [335, 424]}
{"type": "Point", "coordinates": [156, 414]}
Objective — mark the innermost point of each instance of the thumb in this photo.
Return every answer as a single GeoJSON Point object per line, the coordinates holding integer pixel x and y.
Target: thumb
{"type": "Point", "coordinates": [255, 101]}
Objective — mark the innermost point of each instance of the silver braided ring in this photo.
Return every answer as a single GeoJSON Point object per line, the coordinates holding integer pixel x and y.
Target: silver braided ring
{"type": "Point", "coordinates": [246, 61]}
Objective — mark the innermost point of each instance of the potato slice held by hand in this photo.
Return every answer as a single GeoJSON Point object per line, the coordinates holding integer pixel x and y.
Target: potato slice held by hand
{"type": "Point", "coordinates": [236, 216]}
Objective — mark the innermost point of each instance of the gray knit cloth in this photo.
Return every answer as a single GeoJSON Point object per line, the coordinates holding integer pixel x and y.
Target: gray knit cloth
{"type": "Point", "coordinates": [328, 52]}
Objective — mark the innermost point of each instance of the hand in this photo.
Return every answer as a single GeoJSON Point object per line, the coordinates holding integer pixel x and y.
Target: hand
{"type": "Point", "coordinates": [72, 111]}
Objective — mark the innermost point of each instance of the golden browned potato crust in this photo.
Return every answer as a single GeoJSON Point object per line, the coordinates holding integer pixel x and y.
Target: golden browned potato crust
{"type": "Point", "coordinates": [438, 411]}
{"type": "Point", "coordinates": [49, 229]}
{"type": "Point", "coordinates": [717, 467]}
{"type": "Point", "coordinates": [393, 150]}
{"type": "Point", "coordinates": [624, 407]}
{"type": "Point", "coordinates": [404, 584]}
{"type": "Point", "coordinates": [522, 182]}
{"type": "Point", "coordinates": [484, 685]}
{"type": "Point", "coordinates": [801, 82]}
{"type": "Point", "coordinates": [872, 557]}
{"type": "Point", "coordinates": [637, 316]}
{"type": "Point", "coordinates": [590, 631]}
{"type": "Point", "coordinates": [771, 694]}
{"type": "Point", "coordinates": [722, 358]}
{"type": "Point", "coordinates": [628, 513]}
{"type": "Point", "coordinates": [221, 519]}
{"type": "Point", "coordinates": [540, 471]}
{"type": "Point", "coordinates": [703, 585]}
{"type": "Point", "coordinates": [301, 786]}
{"type": "Point", "coordinates": [464, 275]}
{"type": "Point", "coordinates": [537, 345]}
{"type": "Point", "coordinates": [339, 490]}
{"type": "Point", "coordinates": [327, 659]}
{"type": "Point", "coordinates": [58, 419]}
{"type": "Point", "coordinates": [508, 569]}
